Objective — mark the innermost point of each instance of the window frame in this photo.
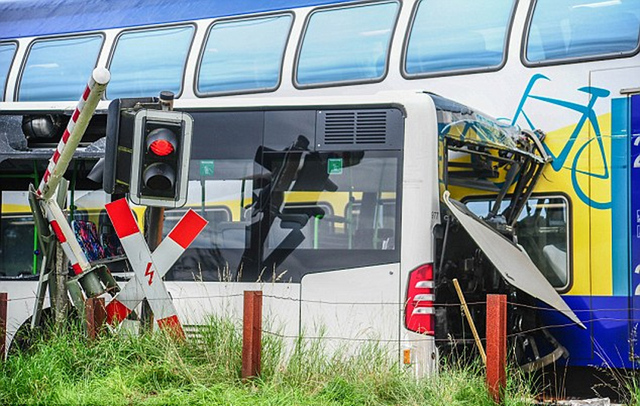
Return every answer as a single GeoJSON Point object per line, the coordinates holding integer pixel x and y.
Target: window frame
{"type": "Point", "coordinates": [205, 41]}
{"type": "Point", "coordinates": [305, 28]}
{"type": "Point", "coordinates": [569, 207]}
{"type": "Point", "coordinates": [112, 51]}
{"type": "Point", "coordinates": [34, 41]}
{"type": "Point", "coordinates": [13, 59]}
{"type": "Point", "coordinates": [564, 61]}
{"type": "Point", "coordinates": [455, 72]}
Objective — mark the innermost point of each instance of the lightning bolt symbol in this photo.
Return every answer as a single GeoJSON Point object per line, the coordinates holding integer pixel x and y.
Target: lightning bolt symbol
{"type": "Point", "coordinates": [149, 272]}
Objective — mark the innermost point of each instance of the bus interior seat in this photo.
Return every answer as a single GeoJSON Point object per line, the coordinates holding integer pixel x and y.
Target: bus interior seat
{"type": "Point", "coordinates": [206, 239]}
{"type": "Point", "coordinates": [295, 220]}
{"type": "Point", "coordinates": [232, 234]}
{"type": "Point", "coordinates": [374, 238]}
{"type": "Point", "coordinates": [363, 238]}
{"type": "Point", "coordinates": [386, 238]}
{"type": "Point", "coordinates": [281, 229]}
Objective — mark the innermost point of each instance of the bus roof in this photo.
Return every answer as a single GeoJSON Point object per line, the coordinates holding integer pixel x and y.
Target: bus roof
{"type": "Point", "coordinates": [27, 18]}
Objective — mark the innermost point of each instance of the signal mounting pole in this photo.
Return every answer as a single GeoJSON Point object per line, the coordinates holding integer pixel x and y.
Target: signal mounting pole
{"type": "Point", "coordinates": [154, 220]}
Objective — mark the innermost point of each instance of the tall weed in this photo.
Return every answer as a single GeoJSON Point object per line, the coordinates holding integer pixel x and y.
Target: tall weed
{"type": "Point", "coordinates": [65, 368]}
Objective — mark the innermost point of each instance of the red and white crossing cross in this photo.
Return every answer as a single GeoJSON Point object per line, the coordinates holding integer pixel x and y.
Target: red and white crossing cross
{"type": "Point", "coordinates": [165, 255]}
{"type": "Point", "coordinates": [150, 268]}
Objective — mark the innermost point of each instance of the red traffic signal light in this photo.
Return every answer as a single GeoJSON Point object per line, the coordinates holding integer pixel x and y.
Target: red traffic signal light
{"type": "Point", "coordinates": [162, 141]}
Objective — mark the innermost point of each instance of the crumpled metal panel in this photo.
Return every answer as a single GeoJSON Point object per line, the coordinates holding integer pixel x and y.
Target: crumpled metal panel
{"type": "Point", "coordinates": [513, 264]}
{"type": "Point", "coordinates": [461, 123]}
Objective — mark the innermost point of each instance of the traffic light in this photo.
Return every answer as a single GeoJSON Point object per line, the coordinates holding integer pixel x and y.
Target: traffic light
{"type": "Point", "coordinates": [160, 158]}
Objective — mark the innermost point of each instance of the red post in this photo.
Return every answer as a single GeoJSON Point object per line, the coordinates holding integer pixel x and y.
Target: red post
{"type": "Point", "coordinates": [99, 313]}
{"type": "Point", "coordinates": [96, 315]}
{"type": "Point", "coordinates": [4, 298]}
{"type": "Point", "coordinates": [496, 346]}
{"type": "Point", "coordinates": [251, 334]}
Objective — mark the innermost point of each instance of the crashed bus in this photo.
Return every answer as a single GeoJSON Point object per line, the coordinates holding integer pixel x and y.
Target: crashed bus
{"type": "Point", "coordinates": [569, 67]}
{"type": "Point", "coordinates": [348, 214]}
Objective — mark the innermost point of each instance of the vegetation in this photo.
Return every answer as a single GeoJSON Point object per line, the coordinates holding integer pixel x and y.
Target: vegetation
{"type": "Point", "coordinates": [154, 369]}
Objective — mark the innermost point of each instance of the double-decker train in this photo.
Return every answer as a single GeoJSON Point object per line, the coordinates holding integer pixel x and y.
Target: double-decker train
{"type": "Point", "coordinates": [262, 74]}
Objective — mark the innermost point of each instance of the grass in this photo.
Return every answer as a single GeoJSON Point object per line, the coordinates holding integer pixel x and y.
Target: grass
{"type": "Point", "coordinates": [153, 369]}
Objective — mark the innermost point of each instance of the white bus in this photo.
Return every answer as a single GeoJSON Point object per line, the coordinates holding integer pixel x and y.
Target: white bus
{"type": "Point", "coordinates": [569, 67]}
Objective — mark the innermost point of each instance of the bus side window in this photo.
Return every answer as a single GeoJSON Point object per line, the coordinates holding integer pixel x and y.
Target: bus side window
{"type": "Point", "coordinates": [569, 29]}
{"type": "Point", "coordinates": [146, 62]}
{"type": "Point", "coordinates": [347, 44]}
{"type": "Point", "coordinates": [243, 55]}
{"type": "Point", "coordinates": [480, 29]}
{"type": "Point", "coordinates": [55, 69]}
{"type": "Point", "coordinates": [7, 51]}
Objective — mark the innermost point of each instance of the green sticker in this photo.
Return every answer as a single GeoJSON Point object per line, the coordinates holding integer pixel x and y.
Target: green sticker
{"type": "Point", "coordinates": [334, 166]}
{"type": "Point", "coordinates": [206, 168]}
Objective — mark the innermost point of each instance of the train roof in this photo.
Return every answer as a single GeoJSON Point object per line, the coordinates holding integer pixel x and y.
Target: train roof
{"type": "Point", "coordinates": [27, 18]}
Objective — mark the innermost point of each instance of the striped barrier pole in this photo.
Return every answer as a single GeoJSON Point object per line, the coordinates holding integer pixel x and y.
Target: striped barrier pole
{"type": "Point", "coordinates": [145, 267]}
{"type": "Point", "coordinates": [59, 163]}
{"type": "Point", "coordinates": [65, 236]}
{"type": "Point", "coordinates": [72, 135]}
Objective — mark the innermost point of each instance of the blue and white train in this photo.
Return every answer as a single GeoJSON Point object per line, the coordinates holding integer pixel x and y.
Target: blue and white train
{"type": "Point", "coordinates": [569, 67]}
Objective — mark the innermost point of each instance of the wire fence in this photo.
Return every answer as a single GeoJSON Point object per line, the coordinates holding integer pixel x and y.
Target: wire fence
{"type": "Point", "coordinates": [399, 306]}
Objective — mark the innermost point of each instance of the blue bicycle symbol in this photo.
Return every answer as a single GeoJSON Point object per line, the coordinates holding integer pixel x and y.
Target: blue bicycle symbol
{"type": "Point", "coordinates": [588, 114]}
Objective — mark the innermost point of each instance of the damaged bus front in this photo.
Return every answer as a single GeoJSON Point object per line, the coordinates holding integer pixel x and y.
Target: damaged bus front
{"type": "Point", "coordinates": [487, 178]}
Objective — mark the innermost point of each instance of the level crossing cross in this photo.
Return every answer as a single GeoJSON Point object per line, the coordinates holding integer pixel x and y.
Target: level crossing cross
{"type": "Point", "coordinates": [149, 268]}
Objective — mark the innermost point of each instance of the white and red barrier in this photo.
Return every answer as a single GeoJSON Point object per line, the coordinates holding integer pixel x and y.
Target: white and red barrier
{"type": "Point", "coordinates": [72, 135]}
{"type": "Point", "coordinates": [150, 268]}
{"type": "Point", "coordinates": [65, 236]}
{"type": "Point", "coordinates": [59, 163]}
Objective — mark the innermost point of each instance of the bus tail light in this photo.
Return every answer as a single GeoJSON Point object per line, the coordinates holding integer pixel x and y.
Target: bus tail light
{"type": "Point", "coordinates": [419, 311]}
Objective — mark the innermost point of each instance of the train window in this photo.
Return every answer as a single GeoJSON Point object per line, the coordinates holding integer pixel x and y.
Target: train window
{"type": "Point", "coordinates": [58, 69]}
{"type": "Point", "coordinates": [543, 230]}
{"type": "Point", "coordinates": [146, 62]}
{"type": "Point", "coordinates": [17, 239]}
{"type": "Point", "coordinates": [349, 44]}
{"type": "Point", "coordinates": [7, 51]}
{"type": "Point", "coordinates": [566, 29]}
{"type": "Point", "coordinates": [477, 41]}
{"type": "Point", "coordinates": [244, 55]}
